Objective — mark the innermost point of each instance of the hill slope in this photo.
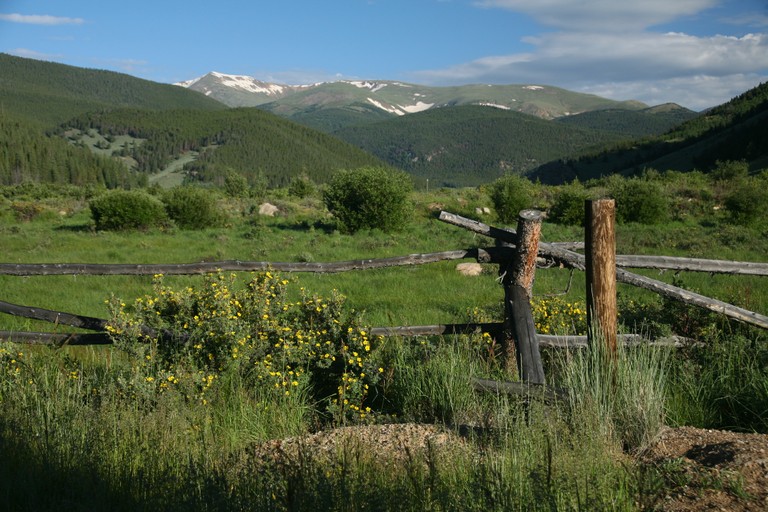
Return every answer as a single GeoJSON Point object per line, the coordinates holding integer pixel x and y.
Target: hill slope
{"type": "Point", "coordinates": [27, 155]}
{"type": "Point", "coordinates": [248, 141]}
{"type": "Point", "coordinates": [632, 123]}
{"type": "Point", "coordinates": [50, 93]}
{"type": "Point", "coordinates": [470, 145]}
{"type": "Point", "coordinates": [736, 130]}
{"type": "Point", "coordinates": [51, 114]}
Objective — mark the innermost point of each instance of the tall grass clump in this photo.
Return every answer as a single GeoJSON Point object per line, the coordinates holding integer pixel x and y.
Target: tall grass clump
{"type": "Point", "coordinates": [620, 397]}
{"type": "Point", "coordinates": [431, 379]}
{"type": "Point", "coordinates": [722, 384]}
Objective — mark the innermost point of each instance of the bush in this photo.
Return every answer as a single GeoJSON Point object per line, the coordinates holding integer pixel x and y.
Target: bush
{"type": "Point", "coordinates": [127, 209]}
{"type": "Point", "coordinates": [301, 186]}
{"type": "Point", "coordinates": [192, 208]}
{"type": "Point", "coordinates": [509, 195]}
{"type": "Point", "coordinates": [640, 201]}
{"type": "Point", "coordinates": [370, 198]}
{"type": "Point", "coordinates": [730, 170]}
{"type": "Point", "coordinates": [190, 338]}
{"type": "Point", "coordinates": [747, 202]}
{"type": "Point", "coordinates": [568, 207]}
{"type": "Point", "coordinates": [27, 210]}
{"type": "Point", "coordinates": [235, 185]}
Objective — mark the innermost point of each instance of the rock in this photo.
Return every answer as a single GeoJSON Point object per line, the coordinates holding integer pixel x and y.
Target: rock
{"type": "Point", "coordinates": [268, 209]}
{"type": "Point", "coordinates": [469, 269]}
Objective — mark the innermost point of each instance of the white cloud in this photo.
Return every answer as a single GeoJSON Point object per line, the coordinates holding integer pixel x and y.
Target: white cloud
{"type": "Point", "coordinates": [32, 54]}
{"type": "Point", "coordinates": [602, 15]}
{"type": "Point", "coordinates": [752, 19]}
{"type": "Point", "coordinates": [40, 19]}
{"type": "Point", "coordinates": [694, 92]}
{"type": "Point", "coordinates": [605, 47]}
{"type": "Point", "coordinates": [131, 66]}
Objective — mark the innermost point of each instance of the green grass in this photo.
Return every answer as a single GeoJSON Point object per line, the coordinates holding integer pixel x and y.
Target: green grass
{"type": "Point", "coordinates": [171, 176]}
{"type": "Point", "coordinates": [81, 429]}
{"type": "Point", "coordinates": [87, 445]}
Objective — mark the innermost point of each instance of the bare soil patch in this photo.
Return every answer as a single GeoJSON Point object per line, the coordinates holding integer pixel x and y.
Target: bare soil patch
{"type": "Point", "coordinates": [709, 470]}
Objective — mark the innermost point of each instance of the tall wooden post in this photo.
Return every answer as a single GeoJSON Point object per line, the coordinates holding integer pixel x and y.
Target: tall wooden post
{"type": "Point", "coordinates": [600, 246]}
{"type": "Point", "coordinates": [517, 278]}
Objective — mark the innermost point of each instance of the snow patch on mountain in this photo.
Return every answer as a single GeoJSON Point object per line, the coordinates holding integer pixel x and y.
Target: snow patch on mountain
{"type": "Point", "coordinates": [248, 84]}
{"type": "Point", "coordinates": [533, 87]}
{"type": "Point", "coordinates": [391, 110]}
{"type": "Point", "coordinates": [494, 105]}
{"type": "Point", "coordinates": [418, 107]}
{"type": "Point", "coordinates": [188, 83]}
{"type": "Point", "coordinates": [401, 110]}
{"type": "Point", "coordinates": [373, 86]}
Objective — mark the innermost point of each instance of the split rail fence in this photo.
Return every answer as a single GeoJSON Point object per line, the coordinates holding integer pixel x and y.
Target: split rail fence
{"type": "Point", "coordinates": [518, 253]}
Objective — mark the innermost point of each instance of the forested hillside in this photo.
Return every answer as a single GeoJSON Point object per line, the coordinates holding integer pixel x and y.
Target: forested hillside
{"type": "Point", "coordinates": [632, 123]}
{"type": "Point", "coordinates": [48, 109]}
{"type": "Point", "coordinates": [736, 130]}
{"type": "Point", "coordinates": [51, 93]}
{"type": "Point", "coordinates": [27, 155]}
{"type": "Point", "coordinates": [248, 141]}
{"type": "Point", "coordinates": [470, 145]}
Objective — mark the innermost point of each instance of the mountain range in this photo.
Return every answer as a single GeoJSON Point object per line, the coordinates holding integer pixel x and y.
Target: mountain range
{"type": "Point", "coordinates": [67, 124]}
{"type": "Point", "coordinates": [392, 99]}
{"type": "Point", "coordinates": [453, 136]}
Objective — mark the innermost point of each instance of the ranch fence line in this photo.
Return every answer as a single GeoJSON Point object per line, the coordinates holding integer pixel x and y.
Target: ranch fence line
{"type": "Point", "coordinates": [518, 253]}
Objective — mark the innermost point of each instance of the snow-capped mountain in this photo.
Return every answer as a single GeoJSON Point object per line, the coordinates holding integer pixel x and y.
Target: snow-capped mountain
{"type": "Point", "coordinates": [386, 98]}
{"type": "Point", "coordinates": [238, 90]}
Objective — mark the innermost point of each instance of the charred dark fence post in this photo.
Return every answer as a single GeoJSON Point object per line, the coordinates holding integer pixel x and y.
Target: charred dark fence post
{"type": "Point", "coordinates": [519, 342]}
{"type": "Point", "coordinates": [600, 246]}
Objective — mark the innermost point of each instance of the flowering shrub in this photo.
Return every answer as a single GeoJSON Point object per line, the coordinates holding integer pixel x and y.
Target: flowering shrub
{"type": "Point", "coordinates": [189, 337]}
{"type": "Point", "coordinates": [11, 362]}
{"type": "Point", "coordinates": [553, 315]}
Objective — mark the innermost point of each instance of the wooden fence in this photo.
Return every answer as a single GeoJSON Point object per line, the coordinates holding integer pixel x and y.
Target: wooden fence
{"type": "Point", "coordinates": [517, 253]}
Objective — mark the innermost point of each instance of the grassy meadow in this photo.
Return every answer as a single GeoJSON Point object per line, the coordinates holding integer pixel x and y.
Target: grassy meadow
{"type": "Point", "coordinates": [194, 427]}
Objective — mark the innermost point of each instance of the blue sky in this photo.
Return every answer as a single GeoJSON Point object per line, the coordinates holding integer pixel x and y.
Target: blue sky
{"type": "Point", "coordinates": [697, 53]}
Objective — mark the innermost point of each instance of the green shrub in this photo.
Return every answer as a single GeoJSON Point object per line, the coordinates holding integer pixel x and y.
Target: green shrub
{"type": "Point", "coordinates": [639, 200]}
{"type": "Point", "coordinates": [730, 170]}
{"type": "Point", "coordinates": [747, 202]}
{"type": "Point", "coordinates": [509, 195]}
{"type": "Point", "coordinates": [301, 186]}
{"type": "Point", "coordinates": [370, 198]}
{"type": "Point", "coordinates": [127, 209]}
{"type": "Point", "coordinates": [235, 184]}
{"type": "Point", "coordinates": [192, 207]}
{"type": "Point", "coordinates": [568, 207]}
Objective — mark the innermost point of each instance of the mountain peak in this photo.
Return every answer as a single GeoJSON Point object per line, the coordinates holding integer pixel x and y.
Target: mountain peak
{"type": "Point", "coordinates": [393, 98]}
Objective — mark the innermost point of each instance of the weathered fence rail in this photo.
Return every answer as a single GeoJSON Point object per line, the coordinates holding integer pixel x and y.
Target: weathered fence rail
{"type": "Point", "coordinates": [487, 255]}
{"type": "Point", "coordinates": [517, 255]}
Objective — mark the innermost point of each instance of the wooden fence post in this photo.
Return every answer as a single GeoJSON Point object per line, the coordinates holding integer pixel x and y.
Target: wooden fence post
{"type": "Point", "coordinates": [600, 246]}
{"type": "Point", "coordinates": [517, 278]}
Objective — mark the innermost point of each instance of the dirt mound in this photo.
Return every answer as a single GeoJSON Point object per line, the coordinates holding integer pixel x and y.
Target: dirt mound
{"type": "Point", "coordinates": [385, 444]}
{"type": "Point", "coordinates": [709, 470]}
